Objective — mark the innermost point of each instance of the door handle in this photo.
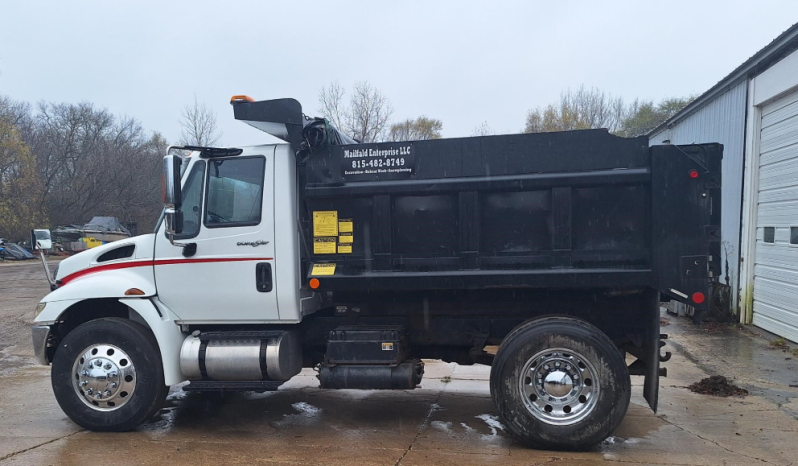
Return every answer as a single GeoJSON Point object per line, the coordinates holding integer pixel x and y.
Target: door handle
{"type": "Point", "coordinates": [263, 277]}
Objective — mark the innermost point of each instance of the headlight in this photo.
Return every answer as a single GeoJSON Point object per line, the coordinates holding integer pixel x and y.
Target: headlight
{"type": "Point", "coordinates": [39, 308]}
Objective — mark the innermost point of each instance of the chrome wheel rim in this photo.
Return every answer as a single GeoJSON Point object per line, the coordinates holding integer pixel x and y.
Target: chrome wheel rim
{"type": "Point", "coordinates": [560, 386]}
{"type": "Point", "coordinates": [104, 377]}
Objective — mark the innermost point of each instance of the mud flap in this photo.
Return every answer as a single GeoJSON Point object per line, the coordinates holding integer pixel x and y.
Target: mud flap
{"type": "Point", "coordinates": [651, 302]}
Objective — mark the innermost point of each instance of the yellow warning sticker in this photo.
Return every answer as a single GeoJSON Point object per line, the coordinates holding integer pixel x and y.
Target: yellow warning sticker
{"type": "Point", "coordinates": [344, 249]}
{"type": "Point", "coordinates": [325, 223]}
{"type": "Point", "coordinates": [345, 238]}
{"type": "Point", "coordinates": [345, 225]}
{"type": "Point", "coordinates": [321, 270]}
{"type": "Point", "coordinates": [324, 245]}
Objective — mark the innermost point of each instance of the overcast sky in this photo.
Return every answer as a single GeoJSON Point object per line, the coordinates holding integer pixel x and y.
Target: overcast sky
{"type": "Point", "coordinates": [463, 62]}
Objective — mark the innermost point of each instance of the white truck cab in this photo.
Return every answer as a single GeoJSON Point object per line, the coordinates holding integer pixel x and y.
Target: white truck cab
{"type": "Point", "coordinates": [236, 260]}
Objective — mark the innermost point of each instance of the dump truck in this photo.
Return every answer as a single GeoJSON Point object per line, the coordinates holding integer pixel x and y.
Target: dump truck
{"type": "Point", "coordinates": [545, 256]}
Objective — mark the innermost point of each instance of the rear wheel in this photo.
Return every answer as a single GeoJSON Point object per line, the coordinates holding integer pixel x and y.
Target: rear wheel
{"type": "Point", "coordinates": [560, 383]}
{"type": "Point", "coordinates": [107, 375]}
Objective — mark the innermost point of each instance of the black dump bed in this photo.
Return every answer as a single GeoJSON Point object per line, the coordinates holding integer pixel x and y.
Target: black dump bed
{"type": "Point", "coordinates": [577, 209]}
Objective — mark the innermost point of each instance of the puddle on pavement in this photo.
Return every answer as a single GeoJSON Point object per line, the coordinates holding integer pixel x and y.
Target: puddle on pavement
{"type": "Point", "coordinates": [492, 422]}
{"type": "Point", "coordinates": [10, 362]}
{"type": "Point", "coordinates": [487, 428]}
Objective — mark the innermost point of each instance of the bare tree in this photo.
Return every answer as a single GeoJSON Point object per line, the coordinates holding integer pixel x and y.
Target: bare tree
{"type": "Point", "coordinates": [369, 112]}
{"type": "Point", "coordinates": [87, 162]}
{"type": "Point", "coordinates": [419, 129]}
{"type": "Point", "coordinates": [331, 100]}
{"type": "Point", "coordinates": [365, 117]}
{"type": "Point", "coordinates": [483, 130]}
{"type": "Point", "coordinates": [199, 126]}
{"type": "Point", "coordinates": [582, 109]}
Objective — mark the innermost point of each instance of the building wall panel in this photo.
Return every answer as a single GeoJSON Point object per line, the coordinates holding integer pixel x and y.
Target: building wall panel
{"type": "Point", "coordinates": [721, 120]}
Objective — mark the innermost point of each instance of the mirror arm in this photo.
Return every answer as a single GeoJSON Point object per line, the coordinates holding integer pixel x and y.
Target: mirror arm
{"type": "Point", "coordinates": [50, 278]}
{"type": "Point", "coordinates": [171, 234]}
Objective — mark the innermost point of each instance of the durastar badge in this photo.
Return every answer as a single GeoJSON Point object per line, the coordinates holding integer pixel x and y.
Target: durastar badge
{"type": "Point", "coordinates": [254, 244]}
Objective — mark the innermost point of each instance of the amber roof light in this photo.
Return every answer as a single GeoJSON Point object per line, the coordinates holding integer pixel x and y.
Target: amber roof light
{"type": "Point", "coordinates": [238, 99]}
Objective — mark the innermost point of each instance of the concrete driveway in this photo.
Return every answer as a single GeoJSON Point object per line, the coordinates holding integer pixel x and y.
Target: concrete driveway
{"type": "Point", "coordinates": [450, 420]}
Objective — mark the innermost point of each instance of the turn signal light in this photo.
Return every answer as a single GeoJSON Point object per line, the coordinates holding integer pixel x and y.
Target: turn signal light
{"type": "Point", "coordinates": [236, 99]}
{"type": "Point", "coordinates": [698, 297]}
{"type": "Point", "coordinates": [314, 283]}
{"type": "Point", "coordinates": [134, 292]}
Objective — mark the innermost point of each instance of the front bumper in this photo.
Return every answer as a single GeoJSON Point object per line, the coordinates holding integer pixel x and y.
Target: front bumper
{"type": "Point", "coordinates": [40, 335]}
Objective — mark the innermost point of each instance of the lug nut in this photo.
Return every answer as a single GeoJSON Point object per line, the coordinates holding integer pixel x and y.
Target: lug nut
{"type": "Point", "coordinates": [90, 391]}
{"type": "Point", "coordinates": [557, 364]}
{"type": "Point", "coordinates": [98, 395]}
{"type": "Point", "coordinates": [98, 363]}
{"type": "Point", "coordinates": [107, 366]}
{"type": "Point", "coordinates": [107, 393]}
{"type": "Point", "coordinates": [85, 373]}
{"type": "Point", "coordinates": [113, 374]}
{"type": "Point", "coordinates": [112, 385]}
{"type": "Point", "coordinates": [83, 383]}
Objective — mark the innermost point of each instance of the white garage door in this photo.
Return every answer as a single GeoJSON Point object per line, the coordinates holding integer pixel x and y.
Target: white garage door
{"type": "Point", "coordinates": [776, 267]}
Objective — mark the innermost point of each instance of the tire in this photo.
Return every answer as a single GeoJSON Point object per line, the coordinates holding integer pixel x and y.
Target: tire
{"type": "Point", "coordinates": [554, 415]}
{"type": "Point", "coordinates": [129, 377]}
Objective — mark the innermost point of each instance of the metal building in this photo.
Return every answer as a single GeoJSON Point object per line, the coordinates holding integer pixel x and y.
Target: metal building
{"type": "Point", "coordinates": [754, 112]}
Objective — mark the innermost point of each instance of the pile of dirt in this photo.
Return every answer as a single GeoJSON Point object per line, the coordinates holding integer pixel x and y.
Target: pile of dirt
{"type": "Point", "coordinates": [717, 385]}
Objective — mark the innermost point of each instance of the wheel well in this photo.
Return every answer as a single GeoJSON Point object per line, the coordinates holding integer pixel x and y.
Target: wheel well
{"type": "Point", "coordinates": [85, 311]}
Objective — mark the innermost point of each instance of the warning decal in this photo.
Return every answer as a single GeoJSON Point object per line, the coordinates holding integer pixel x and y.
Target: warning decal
{"type": "Point", "coordinates": [324, 245]}
{"type": "Point", "coordinates": [345, 238]}
{"type": "Point", "coordinates": [325, 223]}
{"type": "Point", "coordinates": [345, 225]}
{"type": "Point", "coordinates": [321, 270]}
{"type": "Point", "coordinates": [344, 249]}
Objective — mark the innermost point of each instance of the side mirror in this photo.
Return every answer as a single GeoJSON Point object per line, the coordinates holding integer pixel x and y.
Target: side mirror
{"type": "Point", "coordinates": [172, 196]}
{"type": "Point", "coordinates": [40, 240]}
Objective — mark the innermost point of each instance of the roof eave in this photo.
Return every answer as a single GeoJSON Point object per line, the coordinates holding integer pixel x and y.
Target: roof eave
{"type": "Point", "coordinates": [785, 42]}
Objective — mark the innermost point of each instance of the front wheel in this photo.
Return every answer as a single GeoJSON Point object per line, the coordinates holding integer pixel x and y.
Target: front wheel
{"type": "Point", "coordinates": [560, 383]}
{"type": "Point", "coordinates": [107, 375]}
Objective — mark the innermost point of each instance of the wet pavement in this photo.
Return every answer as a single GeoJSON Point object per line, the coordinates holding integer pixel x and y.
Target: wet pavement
{"type": "Point", "coordinates": [449, 420]}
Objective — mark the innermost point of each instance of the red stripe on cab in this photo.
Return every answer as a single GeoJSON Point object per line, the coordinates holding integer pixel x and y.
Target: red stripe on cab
{"type": "Point", "coordinates": [150, 262]}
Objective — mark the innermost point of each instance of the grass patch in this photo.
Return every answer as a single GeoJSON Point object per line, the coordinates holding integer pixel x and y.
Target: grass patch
{"type": "Point", "coordinates": [779, 343]}
{"type": "Point", "coordinates": [446, 379]}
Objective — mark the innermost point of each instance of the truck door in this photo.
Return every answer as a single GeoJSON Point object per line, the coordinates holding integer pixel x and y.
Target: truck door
{"type": "Point", "coordinates": [228, 209]}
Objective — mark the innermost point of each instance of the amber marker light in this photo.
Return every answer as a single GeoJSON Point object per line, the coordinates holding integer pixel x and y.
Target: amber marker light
{"type": "Point", "coordinates": [237, 99]}
{"type": "Point", "coordinates": [314, 283]}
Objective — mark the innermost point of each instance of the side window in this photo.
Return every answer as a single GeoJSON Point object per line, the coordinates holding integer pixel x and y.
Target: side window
{"type": "Point", "coordinates": [192, 201]}
{"type": "Point", "coordinates": [235, 192]}
{"type": "Point", "coordinates": [769, 235]}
